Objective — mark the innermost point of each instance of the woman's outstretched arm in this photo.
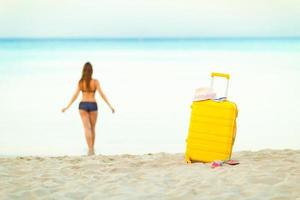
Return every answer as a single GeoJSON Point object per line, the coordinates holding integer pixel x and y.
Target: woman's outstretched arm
{"type": "Point", "coordinates": [103, 96]}
{"type": "Point", "coordinates": [73, 98]}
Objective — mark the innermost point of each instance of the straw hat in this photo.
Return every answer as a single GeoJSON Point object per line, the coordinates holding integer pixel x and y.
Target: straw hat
{"type": "Point", "coordinates": [204, 93]}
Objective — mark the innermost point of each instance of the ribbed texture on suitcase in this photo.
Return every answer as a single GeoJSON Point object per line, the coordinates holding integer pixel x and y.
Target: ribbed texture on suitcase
{"type": "Point", "coordinates": [212, 131]}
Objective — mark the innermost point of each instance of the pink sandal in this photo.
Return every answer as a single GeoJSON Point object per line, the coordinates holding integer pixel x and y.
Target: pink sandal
{"type": "Point", "coordinates": [216, 164]}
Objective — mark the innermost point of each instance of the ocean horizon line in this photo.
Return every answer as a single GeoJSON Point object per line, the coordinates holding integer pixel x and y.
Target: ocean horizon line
{"type": "Point", "coordinates": [147, 38]}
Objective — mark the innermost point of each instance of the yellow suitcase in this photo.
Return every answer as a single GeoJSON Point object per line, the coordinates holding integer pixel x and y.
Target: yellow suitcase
{"type": "Point", "coordinates": [212, 128]}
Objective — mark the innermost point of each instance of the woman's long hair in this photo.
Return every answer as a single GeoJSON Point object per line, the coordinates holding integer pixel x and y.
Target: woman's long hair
{"type": "Point", "coordinates": [86, 76]}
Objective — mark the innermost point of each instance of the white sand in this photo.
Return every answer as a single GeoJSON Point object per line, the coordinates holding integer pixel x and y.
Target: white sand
{"type": "Point", "coordinates": [266, 174]}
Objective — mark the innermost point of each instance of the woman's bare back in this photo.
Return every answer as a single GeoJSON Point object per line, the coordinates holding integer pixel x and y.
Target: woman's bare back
{"type": "Point", "coordinates": [88, 95]}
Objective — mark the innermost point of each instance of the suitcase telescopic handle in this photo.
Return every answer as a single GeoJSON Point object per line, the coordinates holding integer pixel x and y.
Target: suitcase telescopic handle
{"type": "Point", "coordinates": [222, 75]}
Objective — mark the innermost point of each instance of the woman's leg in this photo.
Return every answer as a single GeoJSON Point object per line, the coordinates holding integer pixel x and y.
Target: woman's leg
{"type": "Point", "coordinates": [93, 119]}
{"type": "Point", "coordinates": [87, 128]}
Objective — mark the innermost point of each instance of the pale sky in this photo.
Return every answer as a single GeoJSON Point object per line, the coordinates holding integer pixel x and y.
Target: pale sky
{"type": "Point", "coordinates": [149, 18]}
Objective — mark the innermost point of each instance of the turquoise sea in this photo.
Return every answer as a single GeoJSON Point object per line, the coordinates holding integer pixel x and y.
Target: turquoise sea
{"type": "Point", "coordinates": [151, 83]}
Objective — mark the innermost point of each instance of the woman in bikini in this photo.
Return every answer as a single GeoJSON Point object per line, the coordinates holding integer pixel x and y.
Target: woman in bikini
{"type": "Point", "coordinates": [88, 105]}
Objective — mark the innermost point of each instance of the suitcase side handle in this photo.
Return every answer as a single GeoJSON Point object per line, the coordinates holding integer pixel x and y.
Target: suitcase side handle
{"type": "Point", "coordinates": [222, 75]}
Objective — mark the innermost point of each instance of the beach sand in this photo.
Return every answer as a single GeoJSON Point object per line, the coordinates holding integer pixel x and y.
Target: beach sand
{"type": "Point", "coordinates": [265, 174]}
